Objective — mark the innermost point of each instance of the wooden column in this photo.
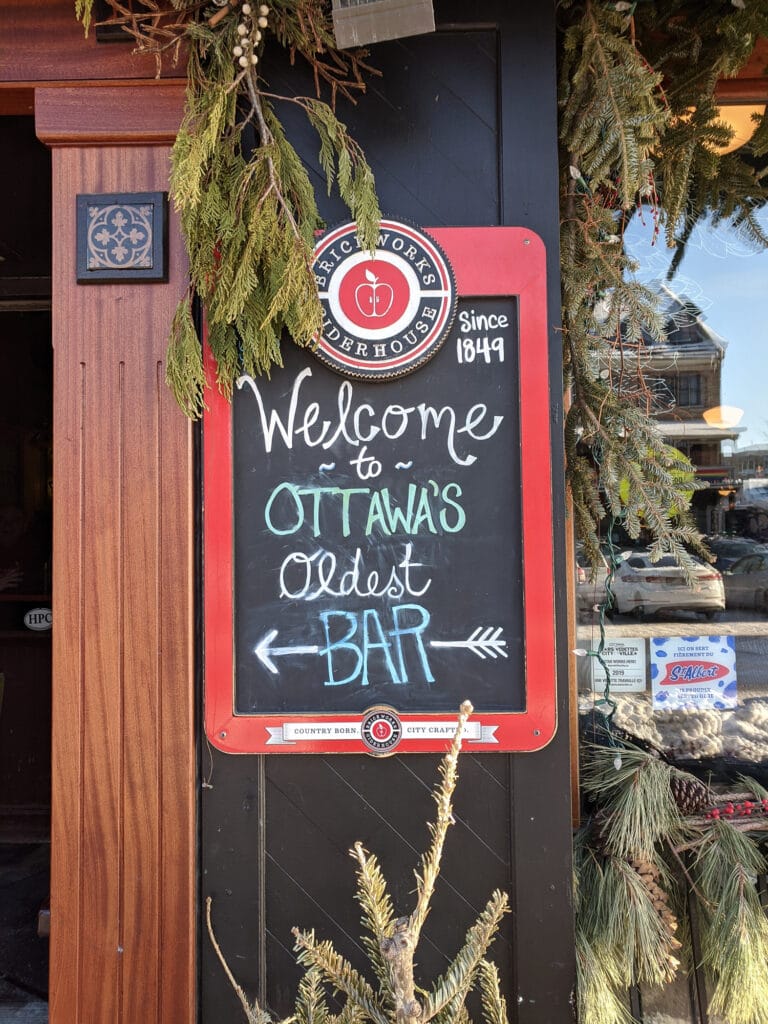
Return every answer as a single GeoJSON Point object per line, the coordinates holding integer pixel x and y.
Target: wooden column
{"type": "Point", "coordinates": [123, 832]}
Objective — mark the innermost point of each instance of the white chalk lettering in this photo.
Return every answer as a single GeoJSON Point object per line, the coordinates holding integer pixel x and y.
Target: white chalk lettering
{"type": "Point", "coordinates": [303, 421]}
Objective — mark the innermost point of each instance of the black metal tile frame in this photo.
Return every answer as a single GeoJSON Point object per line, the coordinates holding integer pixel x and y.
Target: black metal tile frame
{"type": "Point", "coordinates": [122, 237]}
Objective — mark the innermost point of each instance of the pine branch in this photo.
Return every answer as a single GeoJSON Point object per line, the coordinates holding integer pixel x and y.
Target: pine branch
{"type": "Point", "coordinates": [350, 1014]}
{"type": "Point", "coordinates": [600, 994]}
{"type": "Point", "coordinates": [311, 1006]}
{"type": "Point", "coordinates": [397, 952]}
{"type": "Point", "coordinates": [84, 13]}
{"type": "Point", "coordinates": [429, 867]}
{"type": "Point", "coordinates": [253, 1012]}
{"type": "Point", "coordinates": [735, 928]}
{"type": "Point", "coordinates": [184, 362]}
{"type": "Point", "coordinates": [753, 787]}
{"type": "Point", "coordinates": [378, 913]}
{"type": "Point", "coordinates": [450, 991]}
{"type": "Point", "coordinates": [615, 118]}
{"type": "Point", "coordinates": [612, 111]}
{"type": "Point", "coordinates": [636, 796]}
{"type": "Point", "coordinates": [391, 945]}
{"type": "Point", "coordinates": [305, 27]}
{"type": "Point", "coordinates": [493, 1003]}
{"type": "Point", "coordinates": [339, 973]}
{"type": "Point", "coordinates": [626, 918]}
{"type": "Point", "coordinates": [247, 204]}
{"type": "Point", "coordinates": [250, 221]}
{"type": "Point", "coordinates": [398, 946]}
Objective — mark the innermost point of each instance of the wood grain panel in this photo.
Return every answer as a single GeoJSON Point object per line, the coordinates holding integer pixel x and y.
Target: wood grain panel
{"type": "Point", "coordinates": [742, 90]}
{"type": "Point", "coordinates": [42, 41]}
{"type": "Point", "coordinates": [122, 916]}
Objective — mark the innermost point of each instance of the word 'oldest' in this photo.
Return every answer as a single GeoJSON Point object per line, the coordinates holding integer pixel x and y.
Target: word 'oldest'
{"type": "Point", "coordinates": [307, 577]}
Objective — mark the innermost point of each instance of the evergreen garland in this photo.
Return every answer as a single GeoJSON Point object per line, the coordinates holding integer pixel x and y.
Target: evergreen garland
{"type": "Point", "coordinates": [636, 855]}
{"type": "Point", "coordinates": [247, 205]}
{"type": "Point", "coordinates": [735, 926]}
{"type": "Point", "coordinates": [249, 218]}
{"type": "Point", "coordinates": [639, 131]}
{"type": "Point", "coordinates": [638, 128]}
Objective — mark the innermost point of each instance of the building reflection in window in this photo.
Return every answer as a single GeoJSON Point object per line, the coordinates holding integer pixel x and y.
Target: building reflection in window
{"type": "Point", "coordinates": [705, 385]}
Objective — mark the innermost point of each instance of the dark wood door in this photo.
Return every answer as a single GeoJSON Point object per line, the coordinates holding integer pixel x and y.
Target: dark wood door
{"type": "Point", "coordinates": [460, 130]}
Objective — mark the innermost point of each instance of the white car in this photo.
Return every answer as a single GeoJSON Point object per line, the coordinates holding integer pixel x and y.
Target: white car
{"type": "Point", "coordinates": [591, 581]}
{"type": "Point", "coordinates": [643, 587]}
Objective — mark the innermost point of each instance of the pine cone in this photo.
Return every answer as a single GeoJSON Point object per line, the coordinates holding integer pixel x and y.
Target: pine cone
{"type": "Point", "coordinates": [649, 875]}
{"type": "Point", "coordinates": [691, 795]}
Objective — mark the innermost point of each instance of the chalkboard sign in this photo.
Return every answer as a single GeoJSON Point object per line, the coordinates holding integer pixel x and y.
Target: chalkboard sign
{"type": "Point", "coordinates": [378, 551]}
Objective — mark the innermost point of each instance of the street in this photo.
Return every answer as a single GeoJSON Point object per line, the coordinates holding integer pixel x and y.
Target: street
{"type": "Point", "coordinates": [732, 621]}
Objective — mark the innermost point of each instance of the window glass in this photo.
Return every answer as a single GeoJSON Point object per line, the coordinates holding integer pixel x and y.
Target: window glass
{"type": "Point", "coordinates": [687, 389]}
{"type": "Point", "coordinates": [670, 1004]}
{"type": "Point", "coordinates": [689, 658]}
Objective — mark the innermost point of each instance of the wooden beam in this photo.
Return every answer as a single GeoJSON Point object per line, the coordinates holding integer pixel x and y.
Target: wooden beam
{"type": "Point", "coordinates": [43, 41]}
{"type": "Point", "coordinates": [123, 915]}
{"type": "Point", "coordinates": [742, 90]}
{"type": "Point", "coordinates": [114, 114]}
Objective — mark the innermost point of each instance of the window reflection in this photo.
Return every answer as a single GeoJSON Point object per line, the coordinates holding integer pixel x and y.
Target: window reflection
{"type": "Point", "coordinates": [688, 660]}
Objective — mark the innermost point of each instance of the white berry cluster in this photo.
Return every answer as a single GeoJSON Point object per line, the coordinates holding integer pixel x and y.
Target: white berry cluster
{"type": "Point", "coordinates": [249, 35]}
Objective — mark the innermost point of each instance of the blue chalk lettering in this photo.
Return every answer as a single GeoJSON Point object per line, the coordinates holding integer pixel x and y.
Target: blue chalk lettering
{"type": "Point", "coordinates": [414, 629]}
{"type": "Point", "coordinates": [340, 645]}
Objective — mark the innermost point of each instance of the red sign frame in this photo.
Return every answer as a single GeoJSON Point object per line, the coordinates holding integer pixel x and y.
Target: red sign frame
{"type": "Point", "coordinates": [490, 261]}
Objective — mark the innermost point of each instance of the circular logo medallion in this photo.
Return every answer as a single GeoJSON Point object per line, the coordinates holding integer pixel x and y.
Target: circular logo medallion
{"type": "Point", "coordinates": [387, 314]}
{"type": "Point", "coordinates": [381, 730]}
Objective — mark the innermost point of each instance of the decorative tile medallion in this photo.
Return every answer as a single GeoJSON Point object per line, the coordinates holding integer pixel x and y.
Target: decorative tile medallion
{"type": "Point", "coordinates": [121, 237]}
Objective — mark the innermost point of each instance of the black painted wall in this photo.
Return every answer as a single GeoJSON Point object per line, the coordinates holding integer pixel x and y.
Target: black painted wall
{"type": "Point", "coordinates": [460, 130]}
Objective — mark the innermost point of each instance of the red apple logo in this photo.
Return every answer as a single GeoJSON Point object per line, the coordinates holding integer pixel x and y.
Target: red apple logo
{"type": "Point", "coordinates": [374, 297]}
{"type": "Point", "coordinates": [381, 731]}
{"type": "Point", "coordinates": [385, 312]}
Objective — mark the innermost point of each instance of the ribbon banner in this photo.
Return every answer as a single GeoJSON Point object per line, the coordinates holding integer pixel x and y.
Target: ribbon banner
{"type": "Point", "coordinates": [322, 732]}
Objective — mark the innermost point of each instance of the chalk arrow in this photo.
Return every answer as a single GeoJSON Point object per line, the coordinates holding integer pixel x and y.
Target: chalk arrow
{"type": "Point", "coordinates": [484, 642]}
{"type": "Point", "coordinates": [265, 653]}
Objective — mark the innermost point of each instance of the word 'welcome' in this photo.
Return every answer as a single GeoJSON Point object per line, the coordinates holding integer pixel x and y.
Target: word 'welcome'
{"type": "Point", "coordinates": [358, 424]}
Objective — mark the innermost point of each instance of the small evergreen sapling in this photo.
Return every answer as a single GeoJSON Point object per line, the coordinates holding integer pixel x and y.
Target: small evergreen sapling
{"type": "Point", "coordinates": [393, 995]}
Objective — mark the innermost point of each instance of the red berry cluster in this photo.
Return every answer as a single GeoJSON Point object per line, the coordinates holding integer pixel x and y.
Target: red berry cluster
{"type": "Point", "coordinates": [731, 810]}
